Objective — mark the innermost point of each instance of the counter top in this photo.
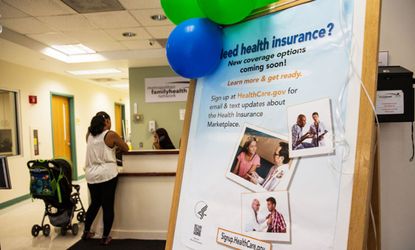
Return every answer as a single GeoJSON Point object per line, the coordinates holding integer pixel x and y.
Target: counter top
{"type": "Point", "coordinates": [150, 161]}
{"type": "Point", "coordinates": [153, 152]}
{"type": "Point", "coordinates": [152, 174]}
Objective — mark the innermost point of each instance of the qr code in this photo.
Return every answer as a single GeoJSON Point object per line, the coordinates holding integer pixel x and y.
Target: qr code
{"type": "Point", "coordinates": [197, 230]}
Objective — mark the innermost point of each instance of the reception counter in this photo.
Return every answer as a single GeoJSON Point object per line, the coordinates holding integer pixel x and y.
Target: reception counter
{"type": "Point", "coordinates": [144, 195]}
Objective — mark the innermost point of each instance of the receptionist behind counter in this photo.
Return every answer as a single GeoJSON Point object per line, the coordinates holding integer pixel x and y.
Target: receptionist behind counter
{"type": "Point", "coordinates": [162, 140]}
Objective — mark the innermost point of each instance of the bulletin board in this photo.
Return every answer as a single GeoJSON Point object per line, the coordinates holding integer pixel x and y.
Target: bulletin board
{"type": "Point", "coordinates": [299, 79]}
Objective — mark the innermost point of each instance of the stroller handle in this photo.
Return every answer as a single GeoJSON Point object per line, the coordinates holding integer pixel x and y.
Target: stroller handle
{"type": "Point", "coordinates": [32, 162]}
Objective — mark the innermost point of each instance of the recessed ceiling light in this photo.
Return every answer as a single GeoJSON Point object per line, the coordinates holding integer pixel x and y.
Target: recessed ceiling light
{"type": "Point", "coordinates": [74, 49]}
{"type": "Point", "coordinates": [72, 58]}
{"type": "Point", "coordinates": [94, 72]}
{"type": "Point", "coordinates": [129, 34]}
{"type": "Point", "coordinates": [158, 17]}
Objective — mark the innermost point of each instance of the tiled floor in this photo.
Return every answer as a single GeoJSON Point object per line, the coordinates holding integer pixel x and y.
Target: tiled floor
{"type": "Point", "coordinates": [16, 223]}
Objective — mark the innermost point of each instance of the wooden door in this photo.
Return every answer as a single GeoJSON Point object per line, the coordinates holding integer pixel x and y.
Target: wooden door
{"type": "Point", "coordinates": [61, 127]}
{"type": "Point", "coordinates": [118, 119]}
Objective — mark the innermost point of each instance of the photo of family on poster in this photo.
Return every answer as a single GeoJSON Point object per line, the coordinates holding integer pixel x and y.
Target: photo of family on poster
{"type": "Point", "coordinates": [265, 216]}
{"type": "Point", "coordinates": [310, 126]}
{"type": "Point", "coordinates": [261, 161]}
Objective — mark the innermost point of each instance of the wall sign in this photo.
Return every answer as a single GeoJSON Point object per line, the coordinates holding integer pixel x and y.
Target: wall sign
{"type": "Point", "coordinates": [390, 102]}
{"type": "Point", "coordinates": [166, 89]}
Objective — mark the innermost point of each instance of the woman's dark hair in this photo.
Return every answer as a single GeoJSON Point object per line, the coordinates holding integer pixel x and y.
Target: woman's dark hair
{"type": "Point", "coordinates": [284, 152]}
{"type": "Point", "coordinates": [164, 139]}
{"type": "Point", "coordinates": [98, 123]}
{"type": "Point", "coordinates": [248, 142]}
{"type": "Point", "coordinates": [103, 114]}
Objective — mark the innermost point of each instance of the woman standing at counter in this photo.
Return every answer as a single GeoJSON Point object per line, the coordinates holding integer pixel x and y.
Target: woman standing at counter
{"type": "Point", "coordinates": [162, 140]}
{"type": "Point", "coordinates": [101, 172]}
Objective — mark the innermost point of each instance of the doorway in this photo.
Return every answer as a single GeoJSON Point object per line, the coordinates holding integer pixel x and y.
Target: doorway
{"type": "Point", "coordinates": [119, 120]}
{"type": "Point", "coordinates": [63, 130]}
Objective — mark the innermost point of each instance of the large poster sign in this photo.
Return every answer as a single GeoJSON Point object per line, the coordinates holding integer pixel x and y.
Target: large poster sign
{"type": "Point", "coordinates": [272, 141]}
{"type": "Point", "coordinates": [166, 89]}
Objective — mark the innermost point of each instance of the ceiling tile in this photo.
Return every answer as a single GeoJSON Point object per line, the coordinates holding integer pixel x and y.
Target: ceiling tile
{"type": "Point", "coordinates": [141, 34]}
{"type": "Point", "coordinates": [101, 46]}
{"type": "Point", "coordinates": [41, 7]}
{"type": "Point", "coordinates": [89, 35]}
{"type": "Point", "coordinates": [7, 11]}
{"type": "Point", "coordinates": [140, 44]}
{"type": "Point", "coordinates": [160, 31]}
{"type": "Point", "coordinates": [113, 19]}
{"type": "Point", "coordinates": [67, 22]}
{"type": "Point", "coordinates": [26, 25]}
{"type": "Point", "coordinates": [140, 4]}
{"type": "Point", "coordinates": [144, 17]}
{"type": "Point", "coordinates": [53, 38]}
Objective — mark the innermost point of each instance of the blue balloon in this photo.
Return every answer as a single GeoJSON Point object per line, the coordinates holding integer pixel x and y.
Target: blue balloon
{"type": "Point", "coordinates": [194, 47]}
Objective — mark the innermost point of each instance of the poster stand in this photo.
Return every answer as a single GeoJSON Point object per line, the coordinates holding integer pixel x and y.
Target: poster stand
{"type": "Point", "coordinates": [366, 139]}
{"type": "Point", "coordinates": [362, 235]}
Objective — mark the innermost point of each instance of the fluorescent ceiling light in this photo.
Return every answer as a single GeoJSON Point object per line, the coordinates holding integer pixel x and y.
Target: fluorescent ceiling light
{"type": "Point", "coordinates": [74, 49]}
{"type": "Point", "coordinates": [94, 72]}
{"type": "Point", "coordinates": [72, 58]}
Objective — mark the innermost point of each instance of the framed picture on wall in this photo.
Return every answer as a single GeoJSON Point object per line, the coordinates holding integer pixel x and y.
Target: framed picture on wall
{"type": "Point", "coordinates": [4, 174]}
{"type": "Point", "coordinates": [6, 142]}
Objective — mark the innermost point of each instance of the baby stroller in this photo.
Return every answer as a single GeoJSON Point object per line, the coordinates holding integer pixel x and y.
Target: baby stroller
{"type": "Point", "coordinates": [51, 181]}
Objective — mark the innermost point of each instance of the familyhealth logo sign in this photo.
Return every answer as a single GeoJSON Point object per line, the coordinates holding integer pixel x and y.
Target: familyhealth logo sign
{"type": "Point", "coordinates": [166, 89]}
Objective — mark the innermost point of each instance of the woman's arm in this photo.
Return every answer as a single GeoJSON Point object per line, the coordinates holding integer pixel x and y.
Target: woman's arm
{"type": "Point", "coordinates": [255, 164]}
{"type": "Point", "coordinates": [156, 145]}
{"type": "Point", "coordinates": [251, 170]}
{"type": "Point", "coordinates": [113, 139]}
{"type": "Point", "coordinates": [87, 135]}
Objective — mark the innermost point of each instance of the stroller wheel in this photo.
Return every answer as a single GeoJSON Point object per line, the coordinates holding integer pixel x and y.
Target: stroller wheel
{"type": "Point", "coordinates": [63, 231]}
{"type": "Point", "coordinates": [75, 229]}
{"type": "Point", "coordinates": [35, 230]}
{"type": "Point", "coordinates": [46, 230]}
{"type": "Point", "coordinates": [81, 216]}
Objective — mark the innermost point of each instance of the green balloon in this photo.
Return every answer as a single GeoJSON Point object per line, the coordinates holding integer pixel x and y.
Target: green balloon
{"type": "Point", "coordinates": [263, 3]}
{"type": "Point", "coordinates": [226, 11]}
{"type": "Point", "coordinates": [181, 10]}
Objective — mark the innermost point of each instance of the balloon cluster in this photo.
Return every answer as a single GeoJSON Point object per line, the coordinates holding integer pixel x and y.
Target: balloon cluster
{"type": "Point", "coordinates": [194, 46]}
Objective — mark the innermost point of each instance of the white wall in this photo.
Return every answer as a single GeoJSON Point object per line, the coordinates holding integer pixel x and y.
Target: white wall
{"type": "Point", "coordinates": [88, 99]}
{"type": "Point", "coordinates": [397, 173]}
